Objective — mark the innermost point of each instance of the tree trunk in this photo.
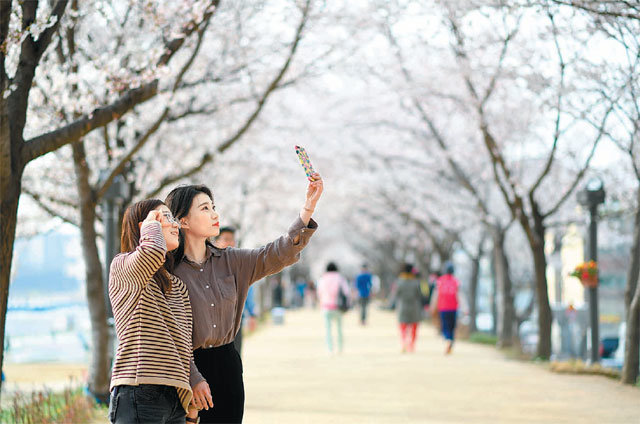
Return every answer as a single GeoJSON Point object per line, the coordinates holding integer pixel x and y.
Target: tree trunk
{"type": "Point", "coordinates": [11, 169]}
{"type": "Point", "coordinates": [9, 197]}
{"type": "Point", "coordinates": [632, 303]}
{"type": "Point", "coordinates": [632, 341]}
{"type": "Point", "coordinates": [100, 364]}
{"type": "Point", "coordinates": [494, 296]}
{"type": "Point", "coordinates": [535, 237]}
{"type": "Point", "coordinates": [473, 294]}
{"type": "Point", "coordinates": [506, 310]}
{"type": "Point", "coordinates": [634, 269]}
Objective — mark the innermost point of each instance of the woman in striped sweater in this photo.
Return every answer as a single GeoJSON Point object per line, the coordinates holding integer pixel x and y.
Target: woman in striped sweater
{"type": "Point", "coordinates": [150, 377]}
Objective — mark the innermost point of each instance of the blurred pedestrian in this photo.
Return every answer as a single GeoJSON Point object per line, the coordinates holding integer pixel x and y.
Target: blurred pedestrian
{"type": "Point", "coordinates": [301, 286]}
{"type": "Point", "coordinates": [363, 285]}
{"type": "Point", "coordinates": [218, 281]}
{"type": "Point", "coordinates": [330, 287]}
{"type": "Point", "coordinates": [152, 313]}
{"type": "Point", "coordinates": [276, 294]}
{"type": "Point", "coordinates": [408, 300]}
{"type": "Point", "coordinates": [312, 294]}
{"type": "Point", "coordinates": [447, 292]}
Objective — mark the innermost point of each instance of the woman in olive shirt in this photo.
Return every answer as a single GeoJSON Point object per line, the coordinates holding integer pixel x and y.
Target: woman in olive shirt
{"type": "Point", "coordinates": [218, 281]}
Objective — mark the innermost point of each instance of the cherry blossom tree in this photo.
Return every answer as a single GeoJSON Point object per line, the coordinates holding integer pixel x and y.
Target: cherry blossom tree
{"type": "Point", "coordinates": [31, 35]}
{"type": "Point", "coordinates": [123, 147]}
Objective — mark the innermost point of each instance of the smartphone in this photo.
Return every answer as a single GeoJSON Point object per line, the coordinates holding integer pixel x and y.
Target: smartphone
{"type": "Point", "coordinates": [305, 162]}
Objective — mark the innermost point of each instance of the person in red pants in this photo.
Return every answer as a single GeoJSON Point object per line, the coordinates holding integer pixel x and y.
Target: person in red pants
{"type": "Point", "coordinates": [447, 287]}
{"type": "Point", "coordinates": [408, 301]}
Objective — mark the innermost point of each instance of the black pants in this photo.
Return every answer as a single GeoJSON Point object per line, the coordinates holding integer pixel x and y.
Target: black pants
{"type": "Point", "coordinates": [146, 403]}
{"type": "Point", "coordinates": [222, 368]}
{"type": "Point", "coordinates": [364, 302]}
{"type": "Point", "coordinates": [238, 340]}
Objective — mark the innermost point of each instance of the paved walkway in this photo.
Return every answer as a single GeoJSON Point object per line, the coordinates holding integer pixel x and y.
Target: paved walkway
{"type": "Point", "coordinates": [290, 378]}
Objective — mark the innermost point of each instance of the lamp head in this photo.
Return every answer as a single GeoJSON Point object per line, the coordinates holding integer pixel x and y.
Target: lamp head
{"type": "Point", "coordinates": [593, 193]}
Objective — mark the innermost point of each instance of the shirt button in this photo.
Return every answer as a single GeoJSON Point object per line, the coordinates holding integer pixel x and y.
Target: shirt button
{"type": "Point", "coordinates": [206, 287]}
{"type": "Point", "coordinates": [214, 326]}
{"type": "Point", "coordinates": [201, 269]}
{"type": "Point", "coordinates": [212, 304]}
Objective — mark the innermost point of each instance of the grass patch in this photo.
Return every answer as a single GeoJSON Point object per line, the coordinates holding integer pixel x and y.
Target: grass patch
{"type": "Point", "coordinates": [45, 407]}
{"type": "Point", "coordinates": [581, 368]}
{"type": "Point", "coordinates": [483, 338]}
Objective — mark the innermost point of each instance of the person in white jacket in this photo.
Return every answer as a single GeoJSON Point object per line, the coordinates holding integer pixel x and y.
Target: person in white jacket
{"type": "Point", "coordinates": [329, 287]}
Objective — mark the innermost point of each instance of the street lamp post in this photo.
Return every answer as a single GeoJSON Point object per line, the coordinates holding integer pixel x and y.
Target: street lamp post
{"type": "Point", "coordinates": [590, 197]}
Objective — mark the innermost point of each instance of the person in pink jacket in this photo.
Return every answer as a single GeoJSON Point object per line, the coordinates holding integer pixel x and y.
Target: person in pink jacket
{"type": "Point", "coordinates": [447, 287]}
{"type": "Point", "coordinates": [329, 287]}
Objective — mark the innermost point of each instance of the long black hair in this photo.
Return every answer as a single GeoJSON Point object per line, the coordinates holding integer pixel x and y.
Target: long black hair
{"type": "Point", "coordinates": [179, 201]}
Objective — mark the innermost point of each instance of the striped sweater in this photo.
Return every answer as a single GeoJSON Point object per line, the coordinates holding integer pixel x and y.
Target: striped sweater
{"type": "Point", "coordinates": [154, 331]}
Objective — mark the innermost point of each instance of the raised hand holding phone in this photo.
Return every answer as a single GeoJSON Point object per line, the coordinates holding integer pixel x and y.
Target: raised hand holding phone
{"type": "Point", "coordinates": [314, 189]}
{"type": "Point", "coordinates": [305, 162]}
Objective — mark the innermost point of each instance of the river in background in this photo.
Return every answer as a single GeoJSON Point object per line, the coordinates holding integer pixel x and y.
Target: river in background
{"type": "Point", "coordinates": [47, 317]}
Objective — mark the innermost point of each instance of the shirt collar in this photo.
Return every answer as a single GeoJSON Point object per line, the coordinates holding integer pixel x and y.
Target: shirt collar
{"type": "Point", "coordinates": [210, 251]}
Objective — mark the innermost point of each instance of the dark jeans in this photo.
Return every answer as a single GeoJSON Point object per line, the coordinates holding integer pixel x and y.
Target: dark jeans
{"type": "Point", "coordinates": [448, 322]}
{"type": "Point", "coordinates": [222, 368]}
{"type": "Point", "coordinates": [146, 403]}
{"type": "Point", "coordinates": [364, 302]}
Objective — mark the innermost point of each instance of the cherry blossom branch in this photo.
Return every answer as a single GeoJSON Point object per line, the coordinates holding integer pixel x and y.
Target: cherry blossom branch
{"type": "Point", "coordinates": [576, 181]}
{"type": "Point", "coordinates": [156, 125]}
{"type": "Point", "coordinates": [556, 135]}
{"type": "Point", "coordinates": [209, 156]}
{"type": "Point", "coordinates": [40, 201]}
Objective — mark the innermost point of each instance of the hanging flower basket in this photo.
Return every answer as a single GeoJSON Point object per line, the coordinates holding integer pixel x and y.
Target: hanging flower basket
{"type": "Point", "coordinates": [587, 273]}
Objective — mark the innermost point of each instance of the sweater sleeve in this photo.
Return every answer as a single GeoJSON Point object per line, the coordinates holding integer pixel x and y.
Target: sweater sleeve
{"type": "Point", "coordinates": [194, 375]}
{"type": "Point", "coordinates": [136, 268]}
{"type": "Point", "coordinates": [252, 265]}
{"type": "Point", "coordinates": [131, 272]}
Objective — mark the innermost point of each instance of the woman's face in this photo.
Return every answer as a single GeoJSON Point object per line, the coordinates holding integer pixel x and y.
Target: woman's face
{"type": "Point", "coordinates": [170, 228]}
{"type": "Point", "coordinates": [202, 219]}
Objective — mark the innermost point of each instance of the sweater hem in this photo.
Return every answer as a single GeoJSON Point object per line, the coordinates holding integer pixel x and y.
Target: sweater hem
{"type": "Point", "coordinates": [155, 380]}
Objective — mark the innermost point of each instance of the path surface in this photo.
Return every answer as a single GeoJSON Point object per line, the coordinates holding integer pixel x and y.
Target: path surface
{"type": "Point", "coordinates": [291, 378]}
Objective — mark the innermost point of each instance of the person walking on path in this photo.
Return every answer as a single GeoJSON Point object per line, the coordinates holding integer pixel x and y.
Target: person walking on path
{"type": "Point", "coordinates": [218, 281]}
{"type": "Point", "coordinates": [152, 313]}
{"type": "Point", "coordinates": [408, 302]}
{"type": "Point", "coordinates": [447, 292]}
{"type": "Point", "coordinates": [330, 285]}
{"type": "Point", "coordinates": [363, 285]}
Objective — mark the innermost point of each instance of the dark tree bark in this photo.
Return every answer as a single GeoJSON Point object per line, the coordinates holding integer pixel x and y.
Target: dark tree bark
{"type": "Point", "coordinates": [16, 152]}
{"type": "Point", "coordinates": [494, 296]}
{"type": "Point", "coordinates": [473, 284]}
{"type": "Point", "coordinates": [505, 308]}
{"type": "Point", "coordinates": [473, 294]}
{"type": "Point", "coordinates": [631, 361]}
{"type": "Point", "coordinates": [100, 365]}
{"type": "Point", "coordinates": [632, 302]}
{"type": "Point", "coordinates": [536, 242]}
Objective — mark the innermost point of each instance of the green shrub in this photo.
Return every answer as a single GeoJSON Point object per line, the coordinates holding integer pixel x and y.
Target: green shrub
{"type": "Point", "coordinates": [45, 407]}
{"type": "Point", "coordinates": [580, 367]}
{"type": "Point", "coordinates": [483, 338]}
